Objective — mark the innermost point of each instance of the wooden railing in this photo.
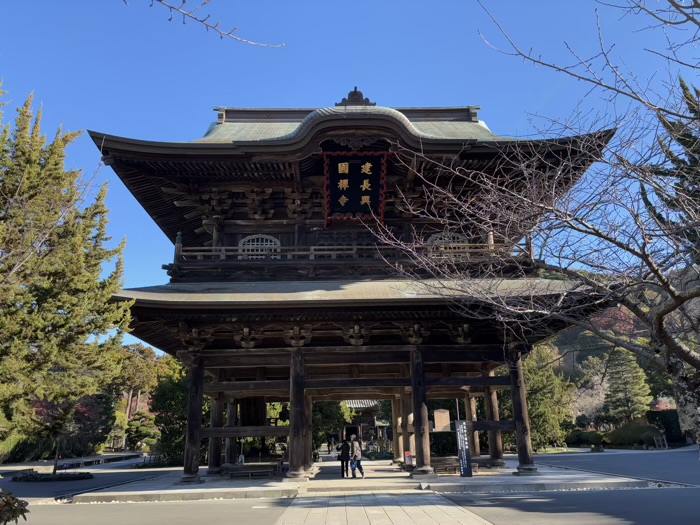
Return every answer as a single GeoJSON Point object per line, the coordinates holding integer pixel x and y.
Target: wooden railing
{"type": "Point", "coordinates": [465, 252]}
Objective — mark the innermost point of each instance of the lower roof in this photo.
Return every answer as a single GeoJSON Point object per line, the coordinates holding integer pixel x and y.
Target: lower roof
{"type": "Point", "coordinates": [283, 294]}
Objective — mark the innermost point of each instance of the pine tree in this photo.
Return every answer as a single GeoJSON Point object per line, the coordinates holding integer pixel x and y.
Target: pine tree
{"type": "Point", "coordinates": [59, 331]}
{"type": "Point", "coordinates": [549, 396]}
{"type": "Point", "coordinates": [628, 394]}
{"type": "Point", "coordinates": [681, 149]}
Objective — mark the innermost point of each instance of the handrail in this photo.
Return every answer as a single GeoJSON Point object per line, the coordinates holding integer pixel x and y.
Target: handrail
{"type": "Point", "coordinates": [465, 251]}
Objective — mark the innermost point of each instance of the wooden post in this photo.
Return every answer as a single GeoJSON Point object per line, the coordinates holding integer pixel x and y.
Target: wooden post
{"type": "Point", "coordinates": [405, 416]}
{"type": "Point", "coordinates": [216, 419]}
{"type": "Point", "coordinates": [194, 421]}
{"type": "Point", "coordinates": [308, 441]}
{"type": "Point", "coordinates": [397, 441]}
{"type": "Point", "coordinates": [296, 417]}
{"type": "Point", "coordinates": [495, 440]}
{"type": "Point", "coordinates": [526, 458]}
{"type": "Point", "coordinates": [470, 404]}
{"type": "Point", "coordinates": [231, 411]}
{"type": "Point", "coordinates": [420, 415]}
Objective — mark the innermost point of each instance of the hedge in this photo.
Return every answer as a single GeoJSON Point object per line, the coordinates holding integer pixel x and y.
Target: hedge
{"type": "Point", "coordinates": [633, 434]}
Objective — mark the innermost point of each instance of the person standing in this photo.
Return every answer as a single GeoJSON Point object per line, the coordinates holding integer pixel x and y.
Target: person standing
{"type": "Point", "coordinates": [344, 458]}
{"type": "Point", "coordinates": [356, 459]}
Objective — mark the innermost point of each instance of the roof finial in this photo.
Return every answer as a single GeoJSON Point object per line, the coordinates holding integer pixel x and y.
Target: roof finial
{"type": "Point", "coordinates": [355, 98]}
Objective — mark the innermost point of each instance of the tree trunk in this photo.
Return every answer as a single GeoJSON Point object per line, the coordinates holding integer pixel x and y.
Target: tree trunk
{"type": "Point", "coordinates": [687, 393]}
{"type": "Point", "coordinates": [138, 401]}
{"type": "Point", "coordinates": [128, 404]}
{"type": "Point", "coordinates": [55, 457]}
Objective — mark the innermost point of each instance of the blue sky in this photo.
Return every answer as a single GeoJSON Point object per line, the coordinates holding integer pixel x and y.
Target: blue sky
{"type": "Point", "coordinates": [124, 69]}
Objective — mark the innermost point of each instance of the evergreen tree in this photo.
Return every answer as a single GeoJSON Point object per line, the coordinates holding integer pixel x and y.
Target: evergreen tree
{"type": "Point", "coordinates": [681, 148]}
{"type": "Point", "coordinates": [59, 331]}
{"type": "Point", "coordinates": [549, 396]}
{"type": "Point", "coordinates": [628, 394]}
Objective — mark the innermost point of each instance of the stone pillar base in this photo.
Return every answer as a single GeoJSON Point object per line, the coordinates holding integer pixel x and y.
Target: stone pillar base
{"type": "Point", "coordinates": [424, 473]}
{"type": "Point", "coordinates": [297, 474]}
{"type": "Point", "coordinates": [191, 478]}
{"type": "Point", "coordinates": [495, 463]}
{"type": "Point", "coordinates": [214, 471]}
{"type": "Point", "coordinates": [526, 470]}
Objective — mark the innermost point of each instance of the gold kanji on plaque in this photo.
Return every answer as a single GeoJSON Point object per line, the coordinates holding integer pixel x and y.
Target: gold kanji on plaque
{"type": "Point", "coordinates": [343, 184]}
{"type": "Point", "coordinates": [365, 200]}
{"type": "Point", "coordinates": [343, 200]}
{"type": "Point", "coordinates": [344, 168]}
{"type": "Point", "coordinates": [366, 186]}
{"type": "Point", "coordinates": [366, 168]}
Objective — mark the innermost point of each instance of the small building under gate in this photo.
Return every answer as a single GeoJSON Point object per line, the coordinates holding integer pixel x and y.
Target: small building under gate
{"type": "Point", "coordinates": [280, 291]}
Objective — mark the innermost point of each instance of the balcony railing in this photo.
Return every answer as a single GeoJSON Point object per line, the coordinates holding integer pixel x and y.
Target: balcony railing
{"type": "Point", "coordinates": [281, 254]}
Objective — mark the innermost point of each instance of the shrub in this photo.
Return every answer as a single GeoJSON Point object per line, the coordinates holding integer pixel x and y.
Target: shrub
{"type": "Point", "coordinates": [582, 438]}
{"type": "Point", "coordinates": [633, 434]}
{"type": "Point", "coordinates": [667, 420]}
{"type": "Point", "coordinates": [35, 476]}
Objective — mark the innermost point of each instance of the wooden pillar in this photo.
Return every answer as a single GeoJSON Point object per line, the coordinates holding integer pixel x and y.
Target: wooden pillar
{"type": "Point", "coordinates": [193, 435]}
{"type": "Point", "coordinates": [216, 419]}
{"type": "Point", "coordinates": [526, 458]}
{"type": "Point", "coordinates": [420, 415]}
{"type": "Point", "coordinates": [297, 415]}
{"type": "Point", "coordinates": [470, 404]}
{"type": "Point", "coordinates": [231, 412]}
{"type": "Point", "coordinates": [495, 440]}
{"type": "Point", "coordinates": [308, 436]}
{"type": "Point", "coordinates": [405, 417]}
{"type": "Point", "coordinates": [397, 441]}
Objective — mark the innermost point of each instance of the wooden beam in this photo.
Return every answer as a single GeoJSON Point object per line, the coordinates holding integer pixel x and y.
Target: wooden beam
{"type": "Point", "coordinates": [353, 383]}
{"type": "Point", "coordinates": [247, 431]}
{"type": "Point", "coordinates": [505, 425]}
{"type": "Point", "coordinates": [246, 386]}
{"type": "Point", "coordinates": [469, 381]}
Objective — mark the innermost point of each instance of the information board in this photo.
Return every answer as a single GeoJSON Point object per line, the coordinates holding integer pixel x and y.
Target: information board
{"type": "Point", "coordinates": [465, 457]}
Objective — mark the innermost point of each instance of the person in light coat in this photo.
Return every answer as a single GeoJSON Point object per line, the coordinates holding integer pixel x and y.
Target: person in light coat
{"type": "Point", "coordinates": [356, 456]}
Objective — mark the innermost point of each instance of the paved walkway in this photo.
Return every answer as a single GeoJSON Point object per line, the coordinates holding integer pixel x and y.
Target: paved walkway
{"type": "Point", "coordinates": [377, 509]}
{"type": "Point", "coordinates": [382, 477]}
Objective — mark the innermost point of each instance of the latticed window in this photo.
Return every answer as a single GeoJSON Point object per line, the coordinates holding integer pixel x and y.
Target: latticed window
{"type": "Point", "coordinates": [259, 247]}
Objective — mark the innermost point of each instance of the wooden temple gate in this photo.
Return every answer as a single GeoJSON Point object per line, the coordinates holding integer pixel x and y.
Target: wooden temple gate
{"type": "Point", "coordinates": [279, 291]}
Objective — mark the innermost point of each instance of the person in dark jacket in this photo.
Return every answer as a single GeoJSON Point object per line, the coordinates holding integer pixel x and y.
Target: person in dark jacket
{"type": "Point", "coordinates": [344, 457]}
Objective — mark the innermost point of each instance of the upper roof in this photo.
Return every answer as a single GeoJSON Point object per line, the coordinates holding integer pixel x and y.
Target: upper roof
{"type": "Point", "coordinates": [269, 125]}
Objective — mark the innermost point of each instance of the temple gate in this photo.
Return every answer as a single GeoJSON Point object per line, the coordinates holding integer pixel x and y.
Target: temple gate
{"type": "Point", "coordinates": [279, 292]}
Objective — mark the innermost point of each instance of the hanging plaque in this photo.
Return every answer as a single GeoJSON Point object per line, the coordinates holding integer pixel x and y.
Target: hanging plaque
{"type": "Point", "coordinates": [355, 185]}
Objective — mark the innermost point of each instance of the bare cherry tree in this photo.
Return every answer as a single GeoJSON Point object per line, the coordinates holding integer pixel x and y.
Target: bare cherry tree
{"type": "Point", "coordinates": [558, 230]}
{"type": "Point", "coordinates": [195, 12]}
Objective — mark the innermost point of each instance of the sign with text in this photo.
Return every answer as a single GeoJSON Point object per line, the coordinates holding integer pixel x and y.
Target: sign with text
{"type": "Point", "coordinates": [465, 457]}
{"type": "Point", "coordinates": [355, 185]}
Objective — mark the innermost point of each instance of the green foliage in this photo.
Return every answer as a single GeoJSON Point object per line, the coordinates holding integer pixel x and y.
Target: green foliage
{"type": "Point", "coordinates": [550, 398]}
{"type": "Point", "coordinates": [633, 434]}
{"type": "Point", "coordinates": [142, 432]}
{"type": "Point", "coordinates": [169, 403]}
{"type": "Point", "coordinates": [12, 508]}
{"type": "Point", "coordinates": [681, 147]}
{"type": "Point", "coordinates": [59, 330]}
{"type": "Point", "coordinates": [584, 438]}
{"type": "Point", "coordinates": [667, 420]}
{"type": "Point", "coordinates": [329, 417]}
{"type": "Point", "coordinates": [628, 395]}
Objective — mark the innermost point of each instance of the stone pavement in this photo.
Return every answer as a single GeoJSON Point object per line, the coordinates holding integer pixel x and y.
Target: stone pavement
{"type": "Point", "coordinates": [377, 509]}
{"type": "Point", "coordinates": [382, 477]}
